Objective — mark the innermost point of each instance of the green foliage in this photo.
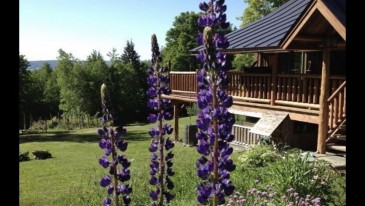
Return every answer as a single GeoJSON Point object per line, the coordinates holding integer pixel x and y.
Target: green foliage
{"type": "Point", "coordinates": [45, 91]}
{"type": "Point", "coordinates": [76, 160]}
{"type": "Point", "coordinates": [24, 90]}
{"type": "Point", "coordinates": [242, 61]}
{"type": "Point", "coordinates": [256, 9]}
{"type": "Point", "coordinates": [299, 172]}
{"type": "Point", "coordinates": [192, 110]}
{"type": "Point", "coordinates": [180, 39]}
{"type": "Point", "coordinates": [130, 56]}
{"type": "Point", "coordinates": [259, 156]}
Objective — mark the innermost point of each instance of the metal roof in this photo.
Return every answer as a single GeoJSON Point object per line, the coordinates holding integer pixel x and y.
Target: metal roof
{"type": "Point", "coordinates": [269, 31]}
{"type": "Point", "coordinates": [338, 8]}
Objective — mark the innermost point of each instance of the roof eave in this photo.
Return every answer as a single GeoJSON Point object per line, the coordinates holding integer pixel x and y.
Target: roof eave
{"type": "Point", "coordinates": [297, 27]}
{"type": "Point", "coordinates": [332, 19]}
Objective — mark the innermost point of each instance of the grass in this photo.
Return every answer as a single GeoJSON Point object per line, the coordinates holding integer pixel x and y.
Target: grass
{"type": "Point", "coordinates": [72, 176]}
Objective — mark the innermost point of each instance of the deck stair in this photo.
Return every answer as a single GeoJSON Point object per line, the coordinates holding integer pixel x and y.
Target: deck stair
{"type": "Point", "coordinates": [337, 139]}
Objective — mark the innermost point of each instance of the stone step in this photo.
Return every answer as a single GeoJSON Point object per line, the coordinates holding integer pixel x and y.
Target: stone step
{"type": "Point", "coordinates": [340, 137]}
{"type": "Point", "coordinates": [341, 148]}
{"type": "Point", "coordinates": [343, 127]}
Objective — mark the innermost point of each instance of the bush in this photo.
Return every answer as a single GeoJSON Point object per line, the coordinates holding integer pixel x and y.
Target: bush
{"type": "Point", "coordinates": [299, 172]}
{"type": "Point", "coordinates": [268, 197]}
{"type": "Point", "coordinates": [192, 109]}
{"type": "Point", "coordinates": [259, 156]}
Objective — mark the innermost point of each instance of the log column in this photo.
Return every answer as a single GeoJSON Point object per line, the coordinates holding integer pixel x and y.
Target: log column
{"type": "Point", "coordinates": [176, 121]}
{"type": "Point", "coordinates": [274, 70]}
{"type": "Point", "coordinates": [323, 105]}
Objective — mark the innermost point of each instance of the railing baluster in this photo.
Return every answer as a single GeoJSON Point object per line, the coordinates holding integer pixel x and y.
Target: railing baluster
{"type": "Point", "coordinates": [310, 90]}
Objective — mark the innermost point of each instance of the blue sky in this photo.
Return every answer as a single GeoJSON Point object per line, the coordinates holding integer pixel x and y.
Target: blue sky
{"type": "Point", "coordinates": [79, 26]}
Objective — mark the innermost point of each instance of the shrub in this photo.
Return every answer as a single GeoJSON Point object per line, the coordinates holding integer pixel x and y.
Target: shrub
{"type": "Point", "coordinates": [192, 110]}
{"type": "Point", "coordinates": [259, 156]}
{"type": "Point", "coordinates": [299, 172]}
{"type": "Point", "coordinates": [268, 197]}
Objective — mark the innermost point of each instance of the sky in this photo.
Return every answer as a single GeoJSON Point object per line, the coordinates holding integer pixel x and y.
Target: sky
{"type": "Point", "coordinates": [81, 26]}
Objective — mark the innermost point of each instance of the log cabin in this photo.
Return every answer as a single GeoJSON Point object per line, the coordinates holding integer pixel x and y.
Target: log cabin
{"type": "Point", "coordinates": [296, 91]}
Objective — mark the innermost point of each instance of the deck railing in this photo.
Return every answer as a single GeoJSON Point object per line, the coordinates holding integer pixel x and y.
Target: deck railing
{"type": "Point", "coordinates": [183, 81]}
{"type": "Point", "coordinates": [337, 106]}
{"type": "Point", "coordinates": [293, 90]}
{"type": "Point", "coordinates": [249, 85]}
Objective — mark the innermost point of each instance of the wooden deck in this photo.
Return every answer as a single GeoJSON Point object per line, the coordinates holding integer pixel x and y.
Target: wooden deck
{"type": "Point", "coordinates": [297, 94]}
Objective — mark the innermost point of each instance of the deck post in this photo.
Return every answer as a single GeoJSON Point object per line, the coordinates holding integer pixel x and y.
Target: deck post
{"type": "Point", "coordinates": [274, 70]}
{"type": "Point", "coordinates": [323, 105]}
{"type": "Point", "coordinates": [176, 121]}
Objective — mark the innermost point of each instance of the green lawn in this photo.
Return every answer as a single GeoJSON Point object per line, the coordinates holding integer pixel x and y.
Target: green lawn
{"type": "Point", "coordinates": [72, 176]}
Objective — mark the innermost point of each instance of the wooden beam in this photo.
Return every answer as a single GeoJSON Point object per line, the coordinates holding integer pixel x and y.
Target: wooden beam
{"type": "Point", "coordinates": [180, 98]}
{"type": "Point", "coordinates": [293, 115]}
{"type": "Point", "coordinates": [181, 72]}
{"type": "Point", "coordinates": [274, 108]}
{"type": "Point", "coordinates": [274, 67]}
{"type": "Point", "coordinates": [309, 38]}
{"type": "Point", "coordinates": [250, 99]}
{"type": "Point", "coordinates": [323, 105]}
{"type": "Point", "coordinates": [332, 19]}
{"type": "Point", "coordinates": [176, 121]}
{"type": "Point", "coordinates": [297, 104]}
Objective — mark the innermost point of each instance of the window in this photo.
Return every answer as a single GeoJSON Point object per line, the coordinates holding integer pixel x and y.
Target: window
{"type": "Point", "coordinates": [300, 62]}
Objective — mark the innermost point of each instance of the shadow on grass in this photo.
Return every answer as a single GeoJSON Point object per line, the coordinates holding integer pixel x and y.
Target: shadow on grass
{"type": "Point", "coordinates": [80, 138]}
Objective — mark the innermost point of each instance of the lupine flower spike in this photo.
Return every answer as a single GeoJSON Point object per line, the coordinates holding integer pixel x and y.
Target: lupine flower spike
{"type": "Point", "coordinates": [161, 163]}
{"type": "Point", "coordinates": [114, 182]}
{"type": "Point", "coordinates": [214, 121]}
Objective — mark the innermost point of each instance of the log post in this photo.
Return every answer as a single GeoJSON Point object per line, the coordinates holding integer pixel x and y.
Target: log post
{"type": "Point", "coordinates": [176, 121]}
{"type": "Point", "coordinates": [323, 105]}
{"type": "Point", "coordinates": [274, 70]}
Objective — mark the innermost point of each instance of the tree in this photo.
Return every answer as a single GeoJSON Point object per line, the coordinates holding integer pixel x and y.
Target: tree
{"type": "Point", "coordinates": [45, 92]}
{"type": "Point", "coordinates": [242, 61]}
{"type": "Point", "coordinates": [96, 72]}
{"type": "Point", "coordinates": [24, 91]}
{"type": "Point", "coordinates": [256, 9]}
{"type": "Point", "coordinates": [130, 56]}
{"type": "Point", "coordinates": [131, 60]}
{"type": "Point", "coordinates": [180, 39]}
{"type": "Point", "coordinates": [70, 82]}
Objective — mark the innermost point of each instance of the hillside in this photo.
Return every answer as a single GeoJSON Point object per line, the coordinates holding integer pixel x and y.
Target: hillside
{"type": "Point", "coordinates": [37, 64]}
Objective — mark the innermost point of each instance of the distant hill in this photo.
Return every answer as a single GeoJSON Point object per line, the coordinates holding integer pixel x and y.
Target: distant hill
{"type": "Point", "coordinates": [37, 64]}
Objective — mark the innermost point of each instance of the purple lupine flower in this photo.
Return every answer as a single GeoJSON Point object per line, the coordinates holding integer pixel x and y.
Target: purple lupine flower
{"type": "Point", "coordinates": [161, 165]}
{"type": "Point", "coordinates": [154, 194]}
{"type": "Point", "coordinates": [105, 181]}
{"type": "Point", "coordinates": [104, 161]}
{"type": "Point", "coordinates": [110, 141]}
{"type": "Point", "coordinates": [107, 202]}
{"type": "Point", "coordinates": [214, 121]}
